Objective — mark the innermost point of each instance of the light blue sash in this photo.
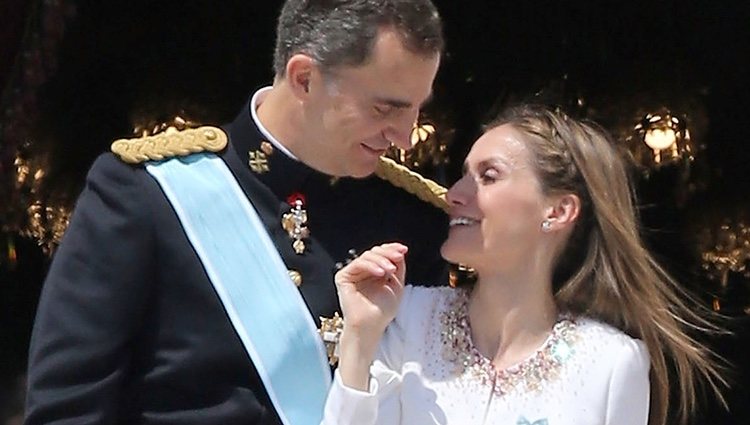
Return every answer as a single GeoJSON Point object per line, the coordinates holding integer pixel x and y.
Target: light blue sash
{"type": "Point", "coordinates": [262, 302]}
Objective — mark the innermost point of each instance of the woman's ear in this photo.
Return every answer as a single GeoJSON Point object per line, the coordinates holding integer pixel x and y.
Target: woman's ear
{"type": "Point", "coordinates": [563, 211]}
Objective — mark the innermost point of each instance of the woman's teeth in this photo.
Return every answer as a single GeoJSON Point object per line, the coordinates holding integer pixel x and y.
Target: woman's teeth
{"type": "Point", "coordinates": [462, 221]}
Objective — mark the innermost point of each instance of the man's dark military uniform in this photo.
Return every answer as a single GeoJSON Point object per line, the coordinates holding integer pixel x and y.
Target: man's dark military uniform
{"type": "Point", "coordinates": [129, 329]}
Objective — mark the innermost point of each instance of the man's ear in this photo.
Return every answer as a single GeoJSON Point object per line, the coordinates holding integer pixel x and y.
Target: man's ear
{"type": "Point", "coordinates": [563, 210]}
{"type": "Point", "coordinates": [300, 71]}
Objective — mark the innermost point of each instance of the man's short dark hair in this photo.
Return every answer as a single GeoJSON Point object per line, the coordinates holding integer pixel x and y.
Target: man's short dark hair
{"type": "Point", "coordinates": [343, 32]}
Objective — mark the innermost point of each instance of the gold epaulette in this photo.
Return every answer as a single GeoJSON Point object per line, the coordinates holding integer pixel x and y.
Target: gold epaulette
{"type": "Point", "coordinates": [170, 143]}
{"type": "Point", "coordinates": [401, 176]}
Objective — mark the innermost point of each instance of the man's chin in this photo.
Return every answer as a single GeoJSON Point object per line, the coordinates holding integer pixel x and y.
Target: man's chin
{"type": "Point", "coordinates": [363, 169]}
{"type": "Point", "coordinates": [362, 174]}
{"type": "Point", "coordinates": [354, 174]}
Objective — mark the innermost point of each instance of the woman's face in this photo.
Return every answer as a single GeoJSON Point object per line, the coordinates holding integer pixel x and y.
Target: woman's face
{"type": "Point", "coordinates": [497, 207]}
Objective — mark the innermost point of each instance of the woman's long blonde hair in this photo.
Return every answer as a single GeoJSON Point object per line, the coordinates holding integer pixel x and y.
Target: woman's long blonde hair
{"type": "Point", "coordinates": [605, 272]}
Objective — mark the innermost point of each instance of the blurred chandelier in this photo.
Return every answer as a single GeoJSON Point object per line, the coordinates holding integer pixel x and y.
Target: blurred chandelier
{"type": "Point", "coordinates": [725, 250]}
{"type": "Point", "coordinates": [661, 138]}
{"type": "Point", "coordinates": [428, 149]}
{"type": "Point", "coordinates": [43, 220]}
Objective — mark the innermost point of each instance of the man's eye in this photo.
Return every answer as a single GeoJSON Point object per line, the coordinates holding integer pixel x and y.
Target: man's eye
{"type": "Point", "coordinates": [383, 109]}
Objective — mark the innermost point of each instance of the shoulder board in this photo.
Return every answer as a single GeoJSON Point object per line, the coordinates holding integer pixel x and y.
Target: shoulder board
{"type": "Point", "coordinates": [170, 143]}
{"type": "Point", "coordinates": [401, 176]}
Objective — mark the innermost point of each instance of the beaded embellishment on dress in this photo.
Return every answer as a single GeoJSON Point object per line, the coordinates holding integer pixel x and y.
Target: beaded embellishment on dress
{"type": "Point", "coordinates": [529, 375]}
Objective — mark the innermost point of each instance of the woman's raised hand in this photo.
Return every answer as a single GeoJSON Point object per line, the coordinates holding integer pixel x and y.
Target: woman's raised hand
{"type": "Point", "coordinates": [370, 288]}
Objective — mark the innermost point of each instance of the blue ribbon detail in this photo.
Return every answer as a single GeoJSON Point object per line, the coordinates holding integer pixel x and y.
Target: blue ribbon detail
{"type": "Point", "coordinates": [263, 304]}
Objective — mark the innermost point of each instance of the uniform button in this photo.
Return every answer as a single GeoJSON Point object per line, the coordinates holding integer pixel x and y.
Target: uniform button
{"type": "Point", "coordinates": [296, 277]}
{"type": "Point", "coordinates": [266, 148]}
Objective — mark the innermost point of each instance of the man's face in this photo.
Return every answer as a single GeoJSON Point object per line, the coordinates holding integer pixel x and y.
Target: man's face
{"type": "Point", "coordinates": [360, 111]}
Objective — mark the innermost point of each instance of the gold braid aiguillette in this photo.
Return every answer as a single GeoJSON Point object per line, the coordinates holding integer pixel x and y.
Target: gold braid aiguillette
{"type": "Point", "coordinates": [401, 176]}
{"type": "Point", "coordinates": [170, 143]}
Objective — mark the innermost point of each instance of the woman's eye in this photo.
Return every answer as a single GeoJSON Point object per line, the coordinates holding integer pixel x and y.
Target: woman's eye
{"type": "Point", "coordinates": [489, 175]}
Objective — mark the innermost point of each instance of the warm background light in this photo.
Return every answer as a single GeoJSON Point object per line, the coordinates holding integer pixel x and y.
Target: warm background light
{"type": "Point", "coordinates": [660, 139]}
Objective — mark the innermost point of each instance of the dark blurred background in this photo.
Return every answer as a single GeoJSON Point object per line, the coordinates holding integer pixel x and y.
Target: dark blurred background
{"type": "Point", "coordinates": [75, 75]}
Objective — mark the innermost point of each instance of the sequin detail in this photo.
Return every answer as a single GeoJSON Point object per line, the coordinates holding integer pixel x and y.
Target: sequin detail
{"type": "Point", "coordinates": [527, 376]}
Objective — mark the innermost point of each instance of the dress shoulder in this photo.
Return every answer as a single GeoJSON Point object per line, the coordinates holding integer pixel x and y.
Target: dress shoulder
{"type": "Point", "coordinates": [609, 342]}
{"type": "Point", "coordinates": [604, 331]}
{"type": "Point", "coordinates": [428, 292]}
{"type": "Point", "coordinates": [419, 297]}
{"type": "Point", "coordinates": [617, 372]}
{"type": "Point", "coordinates": [419, 304]}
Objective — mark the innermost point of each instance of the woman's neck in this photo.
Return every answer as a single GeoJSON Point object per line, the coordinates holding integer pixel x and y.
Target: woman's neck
{"type": "Point", "coordinates": [511, 316]}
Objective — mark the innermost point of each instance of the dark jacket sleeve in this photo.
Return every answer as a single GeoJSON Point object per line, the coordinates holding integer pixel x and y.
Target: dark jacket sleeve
{"type": "Point", "coordinates": [93, 300]}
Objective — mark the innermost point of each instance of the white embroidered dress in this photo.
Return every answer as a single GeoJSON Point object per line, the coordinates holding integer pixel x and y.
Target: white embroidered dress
{"type": "Point", "coordinates": [428, 372]}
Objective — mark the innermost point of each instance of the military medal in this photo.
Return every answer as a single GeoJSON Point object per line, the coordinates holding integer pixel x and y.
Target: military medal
{"type": "Point", "coordinates": [258, 162]}
{"type": "Point", "coordinates": [294, 222]}
{"type": "Point", "coordinates": [330, 331]}
{"type": "Point", "coordinates": [258, 159]}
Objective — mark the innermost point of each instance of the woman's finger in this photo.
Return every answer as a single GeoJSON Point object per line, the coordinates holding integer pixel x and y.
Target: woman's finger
{"type": "Point", "coordinates": [394, 252]}
{"type": "Point", "coordinates": [384, 262]}
{"type": "Point", "coordinates": [361, 268]}
{"type": "Point", "coordinates": [396, 246]}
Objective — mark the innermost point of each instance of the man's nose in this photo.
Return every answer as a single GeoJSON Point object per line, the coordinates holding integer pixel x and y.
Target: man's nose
{"type": "Point", "coordinates": [400, 128]}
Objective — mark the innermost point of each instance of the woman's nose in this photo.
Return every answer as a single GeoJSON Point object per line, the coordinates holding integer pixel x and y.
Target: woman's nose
{"type": "Point", "coordinates": [459, 193]}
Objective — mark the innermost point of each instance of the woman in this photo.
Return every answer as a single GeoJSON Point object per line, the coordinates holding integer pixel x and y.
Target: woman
{"type": "Point", "coordinates": [570, 321]}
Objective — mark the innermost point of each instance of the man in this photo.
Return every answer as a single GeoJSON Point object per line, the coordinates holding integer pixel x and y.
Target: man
{"type": "Point", "coordinates": [168, 300]}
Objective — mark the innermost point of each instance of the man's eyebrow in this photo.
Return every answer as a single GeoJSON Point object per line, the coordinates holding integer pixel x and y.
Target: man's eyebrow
{"type": "Point", "coordinates": [401, 104]}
